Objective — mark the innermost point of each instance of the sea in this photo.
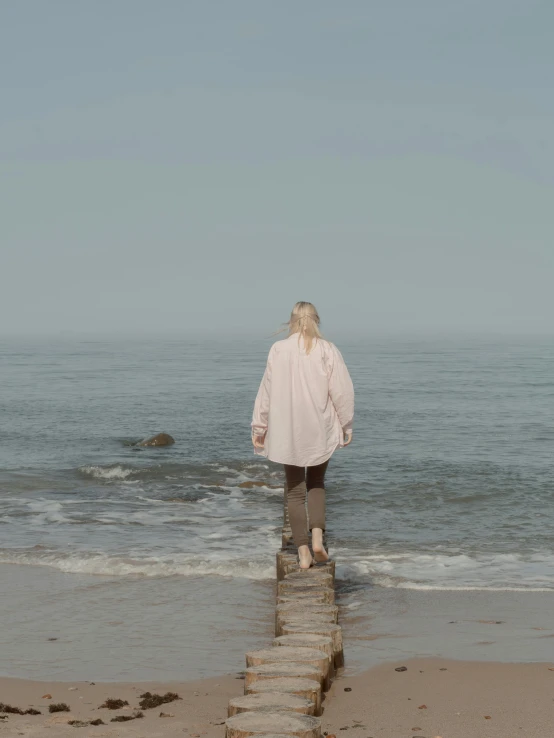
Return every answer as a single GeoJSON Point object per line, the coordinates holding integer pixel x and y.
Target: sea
{"type": "Point", "coordinates": [122, 562]}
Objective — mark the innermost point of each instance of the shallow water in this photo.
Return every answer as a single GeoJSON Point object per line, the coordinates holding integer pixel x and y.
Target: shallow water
{"type": "Point", "coordinates": [447, 486]}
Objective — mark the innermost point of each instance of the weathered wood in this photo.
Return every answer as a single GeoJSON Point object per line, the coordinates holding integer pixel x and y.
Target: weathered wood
{"type": "Point", "coordinates": [320, 619]}
{"type": "Point", "coordinates": [298, 655]}
{"type": "Point", "coordinates": [284, 560]}
{"type": "Point", "coordinates": [306, 688]}
{"type": "Point", "coordinates": [290, 669]}
{"type": "Point", "coordinates": [307, 640]}
{"type": "Point", "coordinates": [289, 566]}
{"type": "Point", "coordinates": [270, 702]}
{"type": "Point", "coordinates": [313, 571]}
{"type": "Point", "coordinates": [288, 587]}
{"type": "Point", "coordinates": [330, 630]}
{"type": "Point", "coordinates": [248, 724]}
{"type": "Point", "coordinates": [311, 598]}
{"type": "Point", "coordinates": [271, 735]}
{"type": "Point", "coordinates": [305, 610]}
{"type": "Point", "coordinates": [318, 576]}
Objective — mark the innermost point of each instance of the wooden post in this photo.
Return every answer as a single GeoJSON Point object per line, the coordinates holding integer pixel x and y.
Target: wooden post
{"type": "Point", "coordinates": [306, 688]}
{"type": "Point", "coordinates": [314, 575]}
{"type": "Point", "coordinates": [297, 655]}
{"type": "Point", "coordinates": [293, 617]}
{"type": "Point", "coordinates": [310, 598]}
{"type": "Point", "coordinates": [307, 640]}
{"type": "Point", "coordinates": [301, 609]}
{"type": "Point", "coordinates": [269, 672]}
{"type": "Point", "coordinates": [270, 702]}
{"type": "Point", "coordinates": [288, 587]}
{"type": "Point", "coordinates": [326, 629]}
{"type": "Point", "coordinates": [248, 724]}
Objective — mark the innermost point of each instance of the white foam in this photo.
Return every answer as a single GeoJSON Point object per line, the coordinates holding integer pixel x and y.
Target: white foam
{"type": "Point", "coordinates": [115, 566]}
{"type": "Point", "coordinates": [107, 472]}
{"type": "Point", "coordinates": [453, 571]}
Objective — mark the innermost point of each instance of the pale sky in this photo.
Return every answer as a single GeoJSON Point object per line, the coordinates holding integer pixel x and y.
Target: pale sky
{"type": "Point", "coordinates": [200, 165]}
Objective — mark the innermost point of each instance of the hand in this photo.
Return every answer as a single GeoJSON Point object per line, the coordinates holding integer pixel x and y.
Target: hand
{"type": "Point", "coordinates": [348, 438]}
{"type": "Point", "coordinates": [258, 441]}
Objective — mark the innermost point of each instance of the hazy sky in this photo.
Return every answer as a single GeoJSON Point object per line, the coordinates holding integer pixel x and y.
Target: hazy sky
{"type": "Point", "coordinates": [188, 165]}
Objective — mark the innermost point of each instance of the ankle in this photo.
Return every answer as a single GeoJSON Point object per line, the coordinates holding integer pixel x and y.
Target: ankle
{"type": "Point", "coordinates": [317, 539]}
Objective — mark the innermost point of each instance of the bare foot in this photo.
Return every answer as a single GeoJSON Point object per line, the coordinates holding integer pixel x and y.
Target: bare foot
{"type": "Point", "coordinates": [320, 554]}
{"type": "Point", "coordinates": [305, 557]}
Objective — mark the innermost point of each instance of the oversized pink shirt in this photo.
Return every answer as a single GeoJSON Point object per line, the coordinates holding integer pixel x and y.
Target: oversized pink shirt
{"type": "Point", "coordinates": [305, 403]}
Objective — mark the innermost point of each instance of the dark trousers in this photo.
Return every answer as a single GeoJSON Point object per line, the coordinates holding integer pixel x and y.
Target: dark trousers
{"type": "Point", "coordinates": [302, 481]}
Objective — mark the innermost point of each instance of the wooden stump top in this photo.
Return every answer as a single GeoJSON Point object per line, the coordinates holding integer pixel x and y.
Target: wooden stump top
{"type": "Point", "coordinates": [304, 582]}
{"type": "Point", "coordinates": [317, 575]}
{"type": "Point", "coordinates": [311, 607]}
{"type": "Point", "coordinates": [268, 672]}
{"type": "Point", "coordinates": [289, 685]}
{"type": "Point", "coordinates": [248, 724]}
{"type": "Point", "coordinates": [331, 630]}
{"type": "Point", "coordinates": [271, 702]}
{"type": "Point", "coordinates": [267, 655]}
{"type": "Point", "coordinates": [306, 640]}
{"type": "Point", "coordinates": [300, 596]}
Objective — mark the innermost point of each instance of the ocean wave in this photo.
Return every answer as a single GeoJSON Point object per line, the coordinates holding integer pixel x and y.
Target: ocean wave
{"type": "Point", "coordinates": [449, 571]}
{"type": "Point", "coordinates": [116, 566]}
{"type": "Point", "coordinates": [107, 472]}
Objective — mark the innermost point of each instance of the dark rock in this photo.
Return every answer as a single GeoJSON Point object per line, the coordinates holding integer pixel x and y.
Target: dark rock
{"type": "Point", "coordinates": [401, 668]}
{"type": "Point", "coordinates": [162, 439]}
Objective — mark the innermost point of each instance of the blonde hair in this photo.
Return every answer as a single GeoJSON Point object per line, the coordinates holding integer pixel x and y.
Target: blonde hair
{"type": "Point", "coordinates": [304, 320]}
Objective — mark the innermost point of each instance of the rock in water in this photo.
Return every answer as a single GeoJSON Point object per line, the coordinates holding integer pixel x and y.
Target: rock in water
{"type": "Point", "coordinates": [162, 439]}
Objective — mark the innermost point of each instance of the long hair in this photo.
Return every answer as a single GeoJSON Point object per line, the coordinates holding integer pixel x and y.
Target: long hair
{"type": "Point", "coordinates": [304, 320]}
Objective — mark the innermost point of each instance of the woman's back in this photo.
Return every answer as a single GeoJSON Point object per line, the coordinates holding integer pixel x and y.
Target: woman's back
{"type": "Point", "coordinates": [305, 402]}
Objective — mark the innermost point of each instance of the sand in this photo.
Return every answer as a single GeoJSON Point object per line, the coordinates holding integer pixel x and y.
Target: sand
{"type": "Point", "coordinates": [462, 699]}
{"type": "Point", "coordinates": [201, 711]}
{"type": "Point", "coordinates": [450, 699]}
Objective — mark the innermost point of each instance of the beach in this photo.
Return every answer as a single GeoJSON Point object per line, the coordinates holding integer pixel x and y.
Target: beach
{"type": "Point", "coordinates": [446, 697]}
{"type": "Point", "coordinates": [132, 567]}
{"type": "Point", "coordinates": [431, 698]}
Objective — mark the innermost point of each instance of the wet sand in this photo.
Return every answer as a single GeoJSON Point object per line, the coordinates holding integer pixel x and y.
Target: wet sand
{"type": "Point", "coordinates": [432, 698]}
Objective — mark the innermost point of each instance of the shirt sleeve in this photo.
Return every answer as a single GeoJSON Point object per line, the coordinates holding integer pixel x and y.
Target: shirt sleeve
{"type": "Point", "coordinates": [260, 416]}
{"type": "Point", "coordinates": [341, 389]}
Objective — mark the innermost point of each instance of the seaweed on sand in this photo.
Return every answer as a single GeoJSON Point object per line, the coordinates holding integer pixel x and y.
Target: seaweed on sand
{"type": "Point", "coordinates": [150, 700]}
{"type": "Point", "coordinates": [58, 707]}
{"type": "Point", "coordinates": [17, 710]}
{"type": "Point", "coordinates": [125, 718]}
{"type": "Point", "coordinates": [111, 704]}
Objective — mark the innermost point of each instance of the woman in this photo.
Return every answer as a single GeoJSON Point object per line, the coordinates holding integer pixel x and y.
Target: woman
{"type": "Point", "coordinates": [304, 412]}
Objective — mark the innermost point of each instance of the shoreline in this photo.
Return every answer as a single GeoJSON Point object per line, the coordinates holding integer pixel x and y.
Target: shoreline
{"type": "Point", "coordinates": [461, 699]}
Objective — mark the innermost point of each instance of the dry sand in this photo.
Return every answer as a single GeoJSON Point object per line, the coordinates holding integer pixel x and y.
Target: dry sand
{"type": "Point", "coordinates": [450, 699]}
{"type": "Point", "coordinates": [461, 699]}
{"type": "Point", "coordinates": [201, 711]}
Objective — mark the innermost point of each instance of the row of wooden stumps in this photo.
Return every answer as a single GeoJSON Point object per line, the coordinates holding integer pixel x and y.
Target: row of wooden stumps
{"type": "Point", "coordinates": [284, 684]}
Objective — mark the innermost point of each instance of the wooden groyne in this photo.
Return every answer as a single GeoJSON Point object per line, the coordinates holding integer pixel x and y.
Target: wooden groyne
{"type": "Point", "coordinates": [284, 683]}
